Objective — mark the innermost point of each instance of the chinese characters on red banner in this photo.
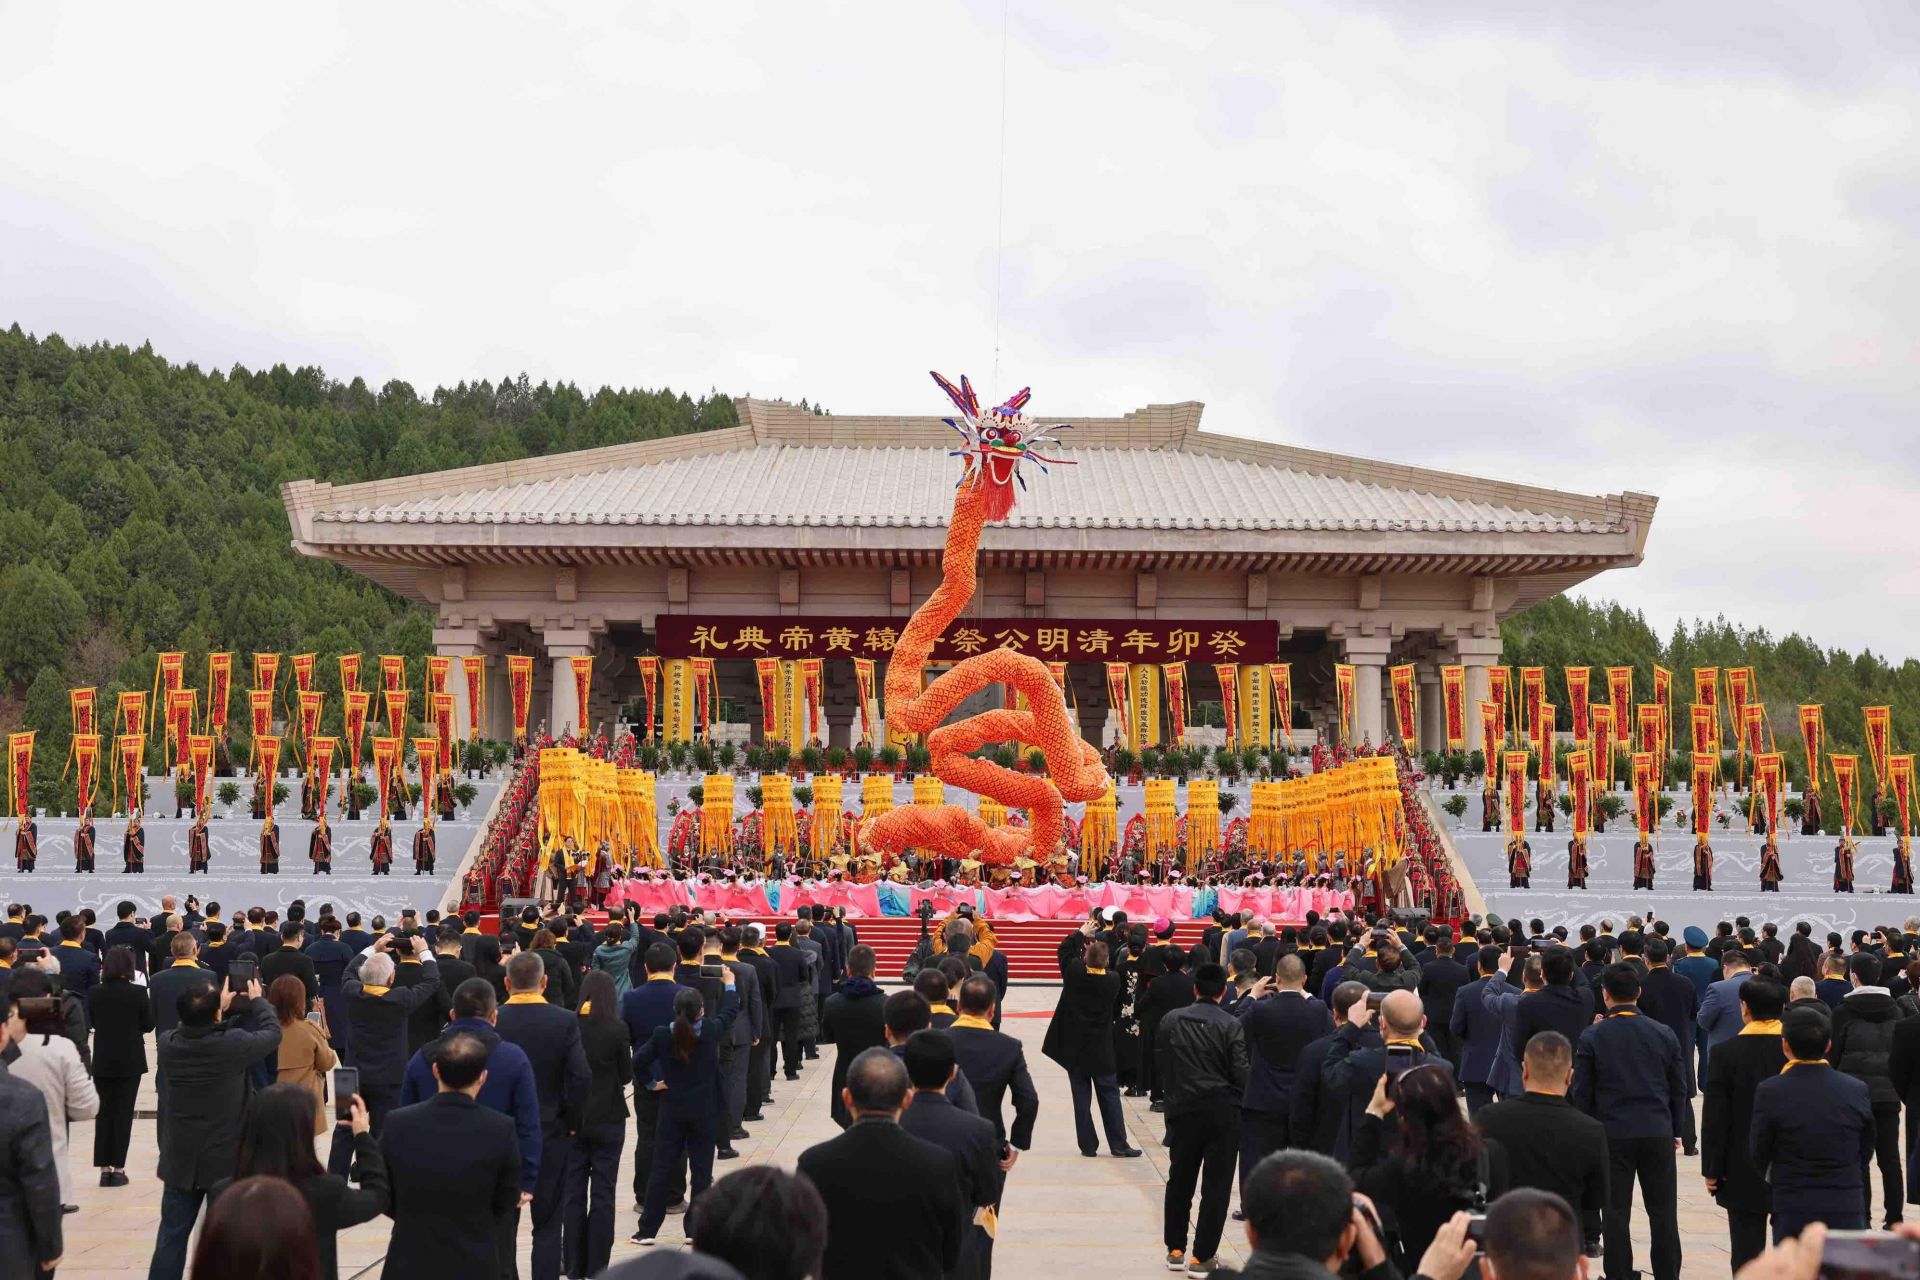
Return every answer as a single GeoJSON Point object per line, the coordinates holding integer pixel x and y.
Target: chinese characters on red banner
{"type": "Point", "coordinates": [747, 637]}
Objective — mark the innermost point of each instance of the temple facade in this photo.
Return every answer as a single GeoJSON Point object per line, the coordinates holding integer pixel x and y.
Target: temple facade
{"type": "Point", "coordinates": [796, 535]}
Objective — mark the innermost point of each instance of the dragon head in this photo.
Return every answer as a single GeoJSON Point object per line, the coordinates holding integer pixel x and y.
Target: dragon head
{"type": "Point", "coordinates": [997, 443]}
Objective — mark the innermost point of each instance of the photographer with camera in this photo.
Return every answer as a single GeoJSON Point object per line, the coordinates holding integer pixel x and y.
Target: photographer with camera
{"type": "Point", "coordinates": [1353, 1069]}
{"type": "Point", "coordinates": [1305, 1221]}
{"type": "Point", "coordinates": [49, 1062]}
{"type": "Point", "coordinates": [1419, 1158]}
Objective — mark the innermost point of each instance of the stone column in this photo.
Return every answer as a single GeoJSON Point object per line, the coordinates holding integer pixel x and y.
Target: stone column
{"type": "Point", "coordinates": [565, 714]}
{"type": "Point", "coordinates": [1433, 718]}
{"type": "Point", "coordinates": [459, 643]}
{"type": "Point", "coordinates": [1368, 654]}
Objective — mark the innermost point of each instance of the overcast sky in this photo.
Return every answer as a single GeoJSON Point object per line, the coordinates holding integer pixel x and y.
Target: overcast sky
{"type": "Point", "coordinates": [1593, 246]}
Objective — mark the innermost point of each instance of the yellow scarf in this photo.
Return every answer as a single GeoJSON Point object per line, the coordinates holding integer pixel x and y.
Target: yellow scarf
{"type": "Point", "coordinates": [968, 1020]}
{"type": "Point", "coordinates": [370, 990]}
{"type": "Point", "coordinates": [1802, 1062]}
{"type": "Point", "coordinates": [1761, 1027]}
{"type": "Point", "coordinates": [526, 997]}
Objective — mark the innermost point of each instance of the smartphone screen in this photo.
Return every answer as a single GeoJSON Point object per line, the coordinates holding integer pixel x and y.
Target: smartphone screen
{"type": "Point", "coordinates": [1869, 1255]}
{"type": "Point", "coordinates": [713, 969]}
{"type": "Point", "coordinates": [240, 974]}
{"type": "Point", "coordinates": [315, 1017]}
{"type": "Point", "coordinates": [346, 1084]}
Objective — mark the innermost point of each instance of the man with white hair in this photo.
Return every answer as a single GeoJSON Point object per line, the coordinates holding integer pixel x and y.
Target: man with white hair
{"type": "Point", "coordinates": [377, 1014]}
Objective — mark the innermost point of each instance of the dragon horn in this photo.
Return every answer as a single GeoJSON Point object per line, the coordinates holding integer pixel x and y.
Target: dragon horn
{"type": "Point", "coordinates": [953, 393]}
{"type": "Point", "coordinates": [1015, 402]}
{"type": "Point", "coordinates": [973, 401]}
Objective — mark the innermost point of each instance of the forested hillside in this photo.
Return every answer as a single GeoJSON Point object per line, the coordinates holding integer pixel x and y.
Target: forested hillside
{"type": "Point", "coordinates": [140, 507]}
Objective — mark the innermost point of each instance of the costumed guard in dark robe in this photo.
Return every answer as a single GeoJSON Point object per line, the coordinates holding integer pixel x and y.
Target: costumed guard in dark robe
{"type": "Point", "coordinates": [1842, 865]}
{"type": "Point", "coordinates": [1770, 873]}
{"type": "Point", "coordinates": [1810, 819]}
{"type": "Point", "coordinates": [382, 851]}
{"type": "Point", "coordinates": [320, 847]}
{"type": "Point", "coordinates": [1519, 863]}
{"type": "Point", "coordinates": [133, 848]}
{"type": "Point", "coordinates": [1490, 810]}
{"type": "Point", "coordinates": [270, 848]}
{"type": "Point", "coordinates": [1878, 814]}
{"type": "Point", "coordinates": [1702, 864]}
{"type": "Point", "coordinates": [1643, 867]}
{"type": "Point", "coordinates": [1542, 807]}
{"type": "Point", "coordinates": [1577, 863]}
{"type": "Point", "coordinates": [445, 801]}
{"type": "Point", "coordinates": [26, 845]}
{"type": "Point", "coordinates": [1902, 866]}
{"type": "Point", "coordinates": [423, 849]}
{"type": "Point", "coordinates": [199, 847]}
{"type": "Point", "coordinates": [83, 845]}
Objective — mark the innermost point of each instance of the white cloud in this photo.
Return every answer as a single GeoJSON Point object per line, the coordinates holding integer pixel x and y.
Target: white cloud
{"type": "Point", "coordinates": [1589, 246]}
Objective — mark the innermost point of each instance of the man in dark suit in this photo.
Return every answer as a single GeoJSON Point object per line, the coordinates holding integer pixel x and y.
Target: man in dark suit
{"type": "Point", "coordinates": [804, 940]}
{"type": "Point", "coordinates": [455, 968]}
{"type": "Point", "coordinates": [760, 1057]}
{"type": "Point", "coordinates": [793, 983]}
{"type": "Point", "coordinates": [290, 958]}
{"type": "Point", "coordinates": [853, 1020]}
{"type": "Point", "coordinates": [1627, 1075]}
{"type": "Point", "coordinates": [167, 984]}
{"type": "Point", "coordinates": [1550, 1144]}
{"type": "Point", "coordinates": [30, 1229]}
{"type": "Point", "coordinates": [1353, 1068]}
{"type": "Point", "coordinates": [969, 1139]}
{"type": "Point", "coordinates": [1566, 1005]}
{"type": "Point", "coordinates": [995, 1064]}
{"type": "Point", "coordinates": [1812, 1135]}
{"type": "Point", "coordinates": [128, 932]}
{"type": "Point", "coordinates": [1441, 977]}
{"type": "Point", "coordinates": [1476, 1028]}
{"type": "Point", "coordinates": [1317, 1121]}
{"type": "Point", "coordinates": [645, 1008]}
{"type": "Point", "coordinates": [894, 1207]}
{"type": "Point", "coordinates": [550, 1036]}
{"type": "Point", "coordinates": [736, 1054]}
{"type": "Point", "coordinates": [355, 938]}
{"type": "Point", "coordinates": [1738, 1068]}
{"type": "Point", "coordinates": [1719, 1018]}
{"type": "Point", "coordinates": [453, 1167]}
{"type": "Point", "coordinates": [79, 967]}
{"type": "Point", "coordinates": [1080, 1039]}
{"type": "Point", "coordinates": [1670, 1000]}
{"type": "Point", "coordinates": [1279, 1026]}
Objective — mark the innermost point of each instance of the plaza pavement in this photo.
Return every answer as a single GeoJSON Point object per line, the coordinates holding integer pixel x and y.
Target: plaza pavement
{"type": "Point", "coordinates": [1064, 1218]}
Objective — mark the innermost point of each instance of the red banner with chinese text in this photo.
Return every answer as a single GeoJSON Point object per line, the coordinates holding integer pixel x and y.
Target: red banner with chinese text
{"type": "Point", "coordinates": [1280, 675]}
{"type": "Point", "coordinates": [1500, 693]}
{"type": "Point", "coordinates": [1813, 733]}
{"type": "Point", "coordinates": [1580, 791]}
{"type": "Point", "coordinates": [86, 759]}
{"type": "Point", "coordinates": [1900, 778]}
{"type": "Point", "coordinates": [1131, 640]}
{"type": "Point", "coordinates": [1702, 720]}
{"type": "Point", "coordinates": [439, 665]}
{"type": "Point", "coordinates": [266, 670]}
{"type": "Point", "coordinates": [1601, 717]}
{"type": "Point", "coordinates": [386, 759]}
{"type": "Point", "coordinates": [650, 690]}
{"type": "Point", "coordinates": [703, 695]}
{"type": "Point", "coordinates": [1516, 762]}
{"type": "Point", "coordinates": [473, 669]}
{"type": "Point", "coordinates": [320, 771]}
{"type": "Point", "coordinates": [1549, 767]}
{"type": "Point", "coordinates": [1533, 696]}
{"type": "Point", "coordinates": [1490, 741]}
{"type": "Point", "coordinates": [349, 672]}
{"type": "Point", "coordinates": [1406, 705]}
{"type": "Point", "coordinates": [1117, 697]}
{"type": "Point", "coordinates": [1228, 673]}
{"type": "Point", "coordinates": [426, 753]}
{"type": "Point", "coordinates": [1879, 740]}
{"type": "Point", "coordinates": [1453, 705]}
{"type": "Point", "coordinates": [1620, 694]}
{"type": "Point", "coordinates": [1705, 765]}
{"type": "Point", "coordinates": [393, 671]}
{"type": "Point", "coordinates": [863, 674]}
{"type": "Point", "coordinates": [1768, 767]}
{"type": "Point", "coordinates": [183, 705]}
{"type": "Point", "coordinates": [200, 764]}
{"type": "Point", "coordinates": [1175, 674]}
{"type": "Point", "coordinates": [767, 672]}
{"type": "Point", "coordinates": [268, 751]}
{"type": "Point", "coordinates": [1343, 688]}
{"type": "Point", "coordinates": [219, 692]}
{"type": "Point", "coordinates": [354, 718]}
{"type": "Point", "coordinates": [396, 700]}
{"type": "Point", "coordinates": [82, 706]}
{"type": "Point", "coordinates": [520, 691]}
{"type": "Point", "coordinates": [1663, 699]}
{"type": "Point", "coordinates": [1754, 727]}
{"type": "Point", "coordinates": [303, 664]}
{"type": "Point", "coordinates": [1580, 702]}
{"type": "Point", "coordinates": [1846, 787]}
{"type": "Point", "coordinates": [130, 748]}
{"type": "Point", "coordinates": [169, 674]}
{"type": "Point", "coordinates": [1706, 693]}
{"type": "Point", "coordinates": [311, 701]}
{"type": "Point", "coordinates": [1646, 793]}
{"type": "Point", "coordinates": [1652, 729]}
{"type": "Point", "coordinates": [443, 724]}
{"type": "Point", "coordinates": [810, 678]}
{"type": "Point", "coordinates": [20, 772]}
{"type": "Point", "coordinates": [582, 690]}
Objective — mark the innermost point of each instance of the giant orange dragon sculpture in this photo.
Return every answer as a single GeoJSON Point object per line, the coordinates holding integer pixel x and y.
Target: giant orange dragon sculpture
{"type": "Point", "coordinates": [995, 446]}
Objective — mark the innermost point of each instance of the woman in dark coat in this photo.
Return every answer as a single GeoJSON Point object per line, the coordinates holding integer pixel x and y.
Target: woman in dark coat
{"type": "Point", "coordinates": [1420, 1160]}
{"type": "Point", "coordinates": [122, 1017]}
{"type": "Point", "coordinates": [685, 1056]}
{"type": "Point", "coordinates": [1080, 1039]}
{"type": "Point", "coordinates": [593, 1161]}
{"type": "Point", "coordinates": [277, 1142]}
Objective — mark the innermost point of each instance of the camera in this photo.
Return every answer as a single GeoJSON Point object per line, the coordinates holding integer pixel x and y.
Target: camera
{"type": "Point", "coordinates": [1869, 1255]}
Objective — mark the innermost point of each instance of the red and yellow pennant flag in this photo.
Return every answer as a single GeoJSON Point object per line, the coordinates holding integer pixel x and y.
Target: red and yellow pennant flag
{"type": "Point", "coordinates": [1117, 698]}
{"type": "Point", "coordinates": [169, 673]}
{"type": "Point", "coordinates": [1846, 786]}
{"type": "Point", "coordinates": [396, 700]}
{"type": "Point", "coordinates": [20, 772]}
{"type": "Point", "coordinates": [650, 688]}
{"type": "Point", "coordinates": [219, 692]}
{"type": "Point", "coordinates": [582, 689]}
{"type": "Point", "coordinates": [473, 668]}
{"type": "Point", "coordinates": [266, 670]}
{"type": "Point", "coordinates": [303, 671]}
{"type": "Point", "coordinates": [1879, 741]}
{"type": "Point", "coordinates": [260, 711]}
{"type": "Point", "coordinates": [1754, 730]}
{"type": "Point", "coordinates": [811, 674]}
{"type": "Point", "coordinates": [386, 759]}
{"type": "Point", "coordinates": [766, 672]}
{"type": "Point", "coordinates": [1453, 703]}
{"type": "Point", "coordinates": [200, 765]}
{"type": "Point", "coordinates": [1549, 767]}
{"type": "Point", "coordinates": [1579, 700]}
{"type": "Point", "coordinates": [863, 680]}
{"type": "Point", "coordinates": [1813, 734]}
{"type": "Point", "coordinates": [1490, 741]}
{"type": "Point", "coordinates": [1705, 765]}
{"type": "Point", "coordinates": [393, 671]}
{"type": "Point", "coordinates": [349, 672]}
{"type": "Point", "coordinates": [354, 718]}
{"type": "Point", "coordinates": [426, 753]}
{"type": "Point", "coordinates": [311, 703]}
{"type": "Point", "coordinates": [1620, 694]}
{"type": "Point", "coordinates": [1500, 693]}
{"type": "Point", "coordinates": [1900, 778]}
{"type": "Point", "coordinates": [267, 751]}
{"type": "Point", "coordinates": [86, 759]}
{"type": "Point", "coordinates": [439, 665]}
{"type": "Point", "coordinates": [704, 695]}
{"type": "Point", "coordinates": [1652, 725]}
{"type": "Point", "coordinates": [1533, 696]}
{"type": "Point", "coordinates": [443, 724]}
{"type": "Point", "coordinates": [1406, 705]}
{"type": "Point", "coordinates": [1343, 688]}
{"type": "Point", "coordinates": [520, 692]}
{"type": "Point", "coordinates": [1702, 720]}
{"type": "Point", "coordinates": [183, 706]}
{"type": "Point", "coordinates": [130, 751]}
{"type": "Point", "coordinates": [1580, 790]}
{"type": "Point", "coordinates": [1706, 693]}
{"type": "Point", "coordinates": [130, 713]}
{"type": "Point", "coordinates": [1663, 699]}
{"type": "Point", "coordinates": [1603, 743]}
{"type": "Point", "coordinates": [320, 771]}
{"type": "Point", "coordinates": [1175, 674]}
{"type": "Point", "coordinates": [1739, 693]}
{"type": "Point", "coordinates": [1516, 762]}
{"type": "Point", "coordinates": [1281, 676]}
{"type": "Point", "coordinates": [1228, 673]}
{"type": "Point", "coordinates": [82, 705]}
{"type": "Point", "coordinates": [1646, 793]}
{"type": "Point", "coordinates": [1768, 766]}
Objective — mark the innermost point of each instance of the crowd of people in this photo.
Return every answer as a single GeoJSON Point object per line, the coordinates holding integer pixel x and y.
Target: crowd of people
{"type": "Point", "coordinates": [1429, 1076]}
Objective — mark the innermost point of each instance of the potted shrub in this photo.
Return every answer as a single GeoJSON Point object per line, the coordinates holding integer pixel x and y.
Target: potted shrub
{"type": "Point", "coordinates": [1004, 756]}
{"type": "Point", "coordinates": [228, 793]}
{"type": "Point", "coordinates": [918, 758]}
{"type": "Point", "coordinates": [1036, 761]}
{"type": "Point", "coordinates": [728, 755]}
{"type": "Point", "coordinates": [1228, 803]}
{"type": "Point", "coordinates": [366, 794]}
{"type": "Point", "coordinates": [1432, 763]}
{"type": "Point", "coordinates": [1455, 805]}
{"type": "Point", "coordinates": [1251, 760]}
{"type": "Point", "coordinates": [1126, 765]}
{"type": "Point", "coordinates": [863, 757]}
{"type": "Point", "coordinates": [1794, 808]}
{"type": "Point", "coordinates": [677, 754]}
{"type": "Point", "coordinates": [697, 794]}
{"type": "Point", "coordinates": [1476, 763]}
{"type": "Point", "coordinates": [803, 796]}
{"type": "Point", "coordinates": [755, 794]}
{"type": "Point", "coordinates": [890, 758]}
{"type": "Point", "coordinates": [755, 759]}
{"type": "Point", "coordinates": [703, 757]}
{"type": "Point", "coordinates": [650, 756]}
{"type": "Point", "coordinates": [837, 759]}
{"type": "Point", "coordinates": [1150, 761]}
{"type": "Point", "coordinates": [779, 755]}
{"type": "Point", "coordinates": [812, 758]}
{"type": "Point", "coordinates": [1226, 762]}
{"type": "Point", "coordinates": [1607, 806]}
{"type": "Point", "coordinates": [464, 793]}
